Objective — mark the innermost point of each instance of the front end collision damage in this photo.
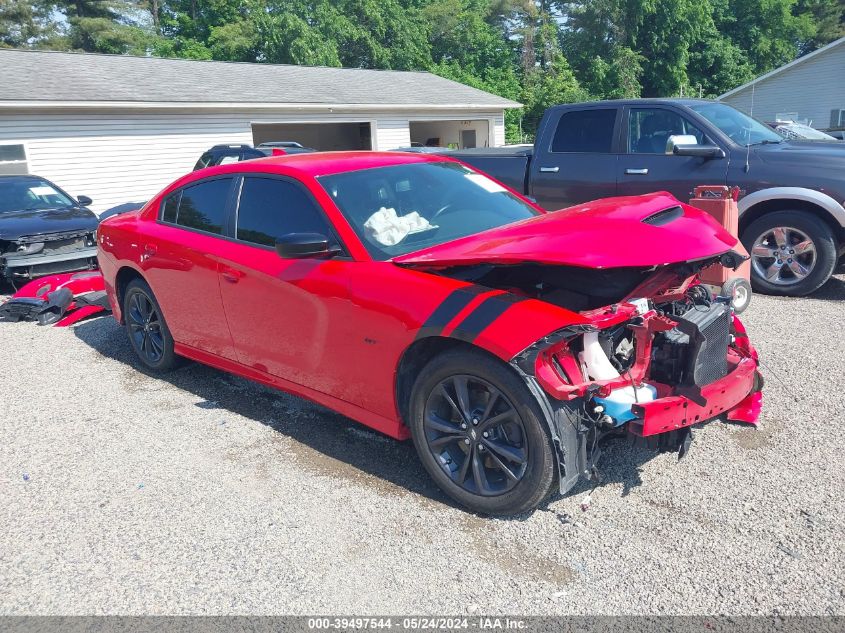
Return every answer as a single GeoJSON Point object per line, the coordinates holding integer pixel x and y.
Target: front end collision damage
{"type": "Point", "coordinates": [690, 389]}
{"type": "Point", "coordinates": [59, 300]}
{"type": "Point", "coordinates": [28, 257]}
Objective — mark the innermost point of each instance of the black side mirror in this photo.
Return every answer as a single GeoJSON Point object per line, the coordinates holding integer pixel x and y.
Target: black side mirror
{"type": "Point", "coordinates": [305, 245]}
{"type": "Point", "coordinates": [84, 201]}
{"type": "Point", "coordinates": [702, 151]}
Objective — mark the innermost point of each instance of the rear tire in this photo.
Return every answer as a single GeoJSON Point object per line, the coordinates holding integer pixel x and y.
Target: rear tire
{"type": "Point", "coordinates": [146, 328]}
{"type": "Point", "coordinates": [479, 433]}
{"type": "Point", "coordinates": [793, 253]}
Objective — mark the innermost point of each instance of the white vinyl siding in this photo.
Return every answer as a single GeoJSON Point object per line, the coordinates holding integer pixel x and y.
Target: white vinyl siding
{"type": "Point", "coordinates": [392, 133]}
{"type": "Point", "coordinates": [811, 89]}
{"type": "Point", "coordinates": [498, 130]}
{"type": "Point", "coordinates": [127, 156]}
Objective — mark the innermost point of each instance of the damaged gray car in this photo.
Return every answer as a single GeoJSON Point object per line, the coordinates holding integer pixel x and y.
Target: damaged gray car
{"type": "Point", "coordinates": [43, 230]}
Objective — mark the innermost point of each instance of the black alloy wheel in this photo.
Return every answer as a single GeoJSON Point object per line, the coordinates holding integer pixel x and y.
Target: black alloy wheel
{"type": "Point", "coordinates": [146, 328]}
{"type": "Point", "coordinates": [481, 434]}
{"type": "Point", "coordinates": [476, 435]}
{"type": "Point", "coordinates": [144, 325]}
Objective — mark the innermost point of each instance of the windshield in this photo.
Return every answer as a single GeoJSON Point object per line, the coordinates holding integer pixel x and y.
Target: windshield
{"type": "Point", "coordinates": [741, 128]}
{"type": "Point", "coordinates": [403, 208]}
{"type": "Point", "coordinates": [30, 194]}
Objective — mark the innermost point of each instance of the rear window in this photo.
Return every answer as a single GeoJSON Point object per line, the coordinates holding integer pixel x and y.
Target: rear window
{"type": "Point", "coordinates": [201, 206]}
{"type": "Point", "coordinates": [585, 131]}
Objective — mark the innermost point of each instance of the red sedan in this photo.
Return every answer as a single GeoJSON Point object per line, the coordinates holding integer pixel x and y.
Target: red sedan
{"type": "Point", "coordinates": [426, 300]}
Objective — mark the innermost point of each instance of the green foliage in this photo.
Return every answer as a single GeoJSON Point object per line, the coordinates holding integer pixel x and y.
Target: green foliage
{"type": "Point", "coordinates": [828, 18]}
{"type": "Point", "coordinates": [22, 24]}
{"type": "Point", "coordinates": [537, 52]}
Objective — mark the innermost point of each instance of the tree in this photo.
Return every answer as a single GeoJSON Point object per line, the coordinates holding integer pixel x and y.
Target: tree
{"type": "Point", "coordinates": [618, 78]}
{"type": "Point", "coordinates": [828, 19]}
{"type": "Point", "coordinates": [765, 30]}
{"type": "Point", "coordinates": [23, 24]}
{"type": "Point", "coordinates": [543, 88]}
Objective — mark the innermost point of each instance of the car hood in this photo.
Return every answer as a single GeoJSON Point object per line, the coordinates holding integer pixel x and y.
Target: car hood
{"type": "Point", "coordinates": [803, 153]}
{"type": "Point", "coordinates": [650, 230]}
{"type": "Point", "coordinates": [16, 224]}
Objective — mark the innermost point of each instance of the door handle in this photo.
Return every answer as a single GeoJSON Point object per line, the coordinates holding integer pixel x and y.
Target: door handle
{"type": "Point", "coordinates": [550, 170]}
{"type": "Point", "coordinates": [637, 172]}
{"type": "Point", "coordinates": [231, 275]}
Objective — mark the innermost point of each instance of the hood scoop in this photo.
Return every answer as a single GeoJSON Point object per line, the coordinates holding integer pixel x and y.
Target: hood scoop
{"type": "Point", "coordinates": [662, 218]}
{"type": "Point", "coordinates": [632, 231]}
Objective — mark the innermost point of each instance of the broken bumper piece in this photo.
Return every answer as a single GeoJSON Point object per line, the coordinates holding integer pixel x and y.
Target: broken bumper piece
{"type": "Point", "coordinates": [736, 395]}
{"type": "Point", "coordinates": [58, 299]}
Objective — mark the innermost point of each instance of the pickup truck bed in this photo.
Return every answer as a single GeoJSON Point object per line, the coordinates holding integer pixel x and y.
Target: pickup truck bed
{"type": "Point", "coordinates": [506, 164]}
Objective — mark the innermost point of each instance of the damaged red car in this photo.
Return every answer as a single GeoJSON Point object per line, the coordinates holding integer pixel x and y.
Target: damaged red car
{"type": "Point", "coordinates": [426, 300]}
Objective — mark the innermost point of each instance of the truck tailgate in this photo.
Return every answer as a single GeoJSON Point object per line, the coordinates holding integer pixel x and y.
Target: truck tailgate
{"type": "Point", "coordinates": [507, 165]}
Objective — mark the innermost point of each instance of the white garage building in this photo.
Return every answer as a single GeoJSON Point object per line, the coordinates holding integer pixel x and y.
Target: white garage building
{"type": "Point", "coordinates": [119, 128]}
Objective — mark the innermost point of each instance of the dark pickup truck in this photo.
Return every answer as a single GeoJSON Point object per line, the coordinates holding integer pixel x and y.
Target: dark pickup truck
{"type": "Point", "coordinates": [792, 219]}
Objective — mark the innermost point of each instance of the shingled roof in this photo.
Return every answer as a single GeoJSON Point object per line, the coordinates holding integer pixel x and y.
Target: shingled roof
{"type": "Point", "coordinates": [51, 77]}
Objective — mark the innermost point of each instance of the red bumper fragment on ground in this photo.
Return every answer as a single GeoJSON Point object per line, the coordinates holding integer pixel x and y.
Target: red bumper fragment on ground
{"type": "Point", "coordinates": [58, 300]}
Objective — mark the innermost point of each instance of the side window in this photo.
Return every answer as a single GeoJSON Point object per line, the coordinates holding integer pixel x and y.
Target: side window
{"type": "Point", "coordinates": [650, 129]}
{"type": "Point", "coordinates": [270, 208]}
{"type": "Point", "coordinates": [201, 206]}
{"type": "Point", "coordinates": [171, 207]}
{"type": "Point", "coordinates": [204, 161]}
{"type": "Point", "coordinates": [585, 131]}
{"type": "Point", "coordinates": [229, 159]}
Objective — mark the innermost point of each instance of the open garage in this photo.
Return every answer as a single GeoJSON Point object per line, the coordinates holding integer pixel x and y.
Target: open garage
{"type": "Point", "coordinates": [459, 134]}
{"type": "Point", "coordinates": [324, 136]}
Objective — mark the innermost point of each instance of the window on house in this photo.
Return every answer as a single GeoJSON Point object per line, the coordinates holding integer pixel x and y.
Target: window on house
{"type": "Point", "coordinates": [13, 159]}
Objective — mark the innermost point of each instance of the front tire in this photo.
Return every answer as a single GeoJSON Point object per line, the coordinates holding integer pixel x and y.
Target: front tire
{"type": "Point", "coordinates": [792, 253]}
{"type": "Point", "coordinates": [478, 432]}
{"type": "Point", "coordinates": [146, 328]}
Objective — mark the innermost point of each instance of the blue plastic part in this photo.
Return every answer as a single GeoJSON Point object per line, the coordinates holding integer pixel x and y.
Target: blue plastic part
{"type": "Point", "coordinates": [620, 411]}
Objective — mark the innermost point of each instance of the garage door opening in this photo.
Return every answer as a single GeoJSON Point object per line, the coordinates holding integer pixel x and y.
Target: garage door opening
{"type": "Point", "coordinates": [321, 136]}
{"type": "Point", "coordinates": [454, 134]}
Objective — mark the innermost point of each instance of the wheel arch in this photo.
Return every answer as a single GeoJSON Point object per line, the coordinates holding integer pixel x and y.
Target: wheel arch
{"type": "Point", "coordinates": [121, 280]}
{"type": "Point", "coordinates": [416, 356]}
{"type": "Point", "coordinates": [567, 442]}
{"type": "Point", "coordinates": [759, 203]}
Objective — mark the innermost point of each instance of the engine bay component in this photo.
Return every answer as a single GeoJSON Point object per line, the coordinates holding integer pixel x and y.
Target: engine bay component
{"type": "Point", "coordinates": [694, 353]}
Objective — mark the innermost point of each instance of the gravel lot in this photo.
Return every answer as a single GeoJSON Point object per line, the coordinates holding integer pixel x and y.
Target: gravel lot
{"type": "Point", "coordinates": [201, 493]}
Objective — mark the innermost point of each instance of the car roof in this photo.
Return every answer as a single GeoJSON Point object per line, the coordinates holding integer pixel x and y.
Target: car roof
{"type": "Point", "coordinates": [647, 101]}
{"type": "Point", "coordinates": [325, 163]}
{"type": "Point", "coordinates": [23, 177]}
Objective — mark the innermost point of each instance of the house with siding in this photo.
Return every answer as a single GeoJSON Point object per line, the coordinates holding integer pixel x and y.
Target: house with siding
{"type": "Point", "coordinates": [810, 89]}
{"type": "Point", "coordinates": [119, 128]}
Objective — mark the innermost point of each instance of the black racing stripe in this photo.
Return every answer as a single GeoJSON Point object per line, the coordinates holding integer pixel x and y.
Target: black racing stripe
{"type": "Point", "coordinates": [483, 316]}
{"type": "Point", "coordinates": [456, 301]}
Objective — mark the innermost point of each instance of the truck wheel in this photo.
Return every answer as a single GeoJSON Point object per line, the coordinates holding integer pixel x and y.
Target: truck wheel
{"type": "Point", "coordinates": [739, 291]}
{"type": "Point", "coordinates": [478, 431]}
{"type": "Point", "coordinates": [792, 253]}
{"type": "Point", "coordinates": [147, 330]}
